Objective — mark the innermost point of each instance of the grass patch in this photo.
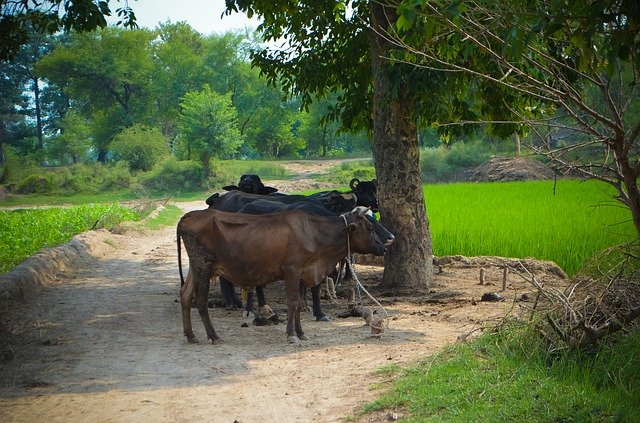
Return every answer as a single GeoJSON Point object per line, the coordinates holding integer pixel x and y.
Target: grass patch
{"type": "Point", "coordinates": [58, 200]}
{"type": "Point", "coordinates": [343, 173]}
{"type": "Point", "coordinates": [263, 168]}
{"type": "Point", "coordinates": [24, 232]}
{"type": "Point", "coordinates": [389, 369]}
{"type": "Point", "coordinates": [526, 219]}
{"type": "Point", "coordinates": [506, 376]}
{"type": "Point", "coordinates": [168, 216]}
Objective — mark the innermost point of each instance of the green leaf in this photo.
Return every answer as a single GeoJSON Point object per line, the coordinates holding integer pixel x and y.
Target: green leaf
{"type": "Point", "coordinates": [403, 24]}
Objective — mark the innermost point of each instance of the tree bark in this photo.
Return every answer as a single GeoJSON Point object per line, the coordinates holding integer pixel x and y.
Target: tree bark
{"type": "Point", "coordinates": [409, 261]}
{"type": "Point", "coordinates": [36, 99]}
{"type": "Point", "coordinates": [102, 155]}
{"type": "Point", "coordinates": [324, 140]}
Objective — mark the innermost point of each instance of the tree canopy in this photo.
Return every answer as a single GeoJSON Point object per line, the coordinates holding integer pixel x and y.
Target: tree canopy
{"type": "Point", "coordinates": [573, 65]}
{"type": "Point", "coordinates": [20, 20]}
{"type": "Point", "coordinates": [208, 124]}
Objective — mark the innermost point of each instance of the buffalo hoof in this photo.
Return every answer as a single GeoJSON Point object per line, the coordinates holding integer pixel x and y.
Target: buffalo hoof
{"type": "Point", "coordinates": [266, 312]}
{"type": "Point", "coordinates": [292, 339]}
{"type": "Point", "coordinates": [324, 318]}
{"type": "Point", "coordinates": [303, 337]}
{"type": "Point", "coordinates": [193, 341]}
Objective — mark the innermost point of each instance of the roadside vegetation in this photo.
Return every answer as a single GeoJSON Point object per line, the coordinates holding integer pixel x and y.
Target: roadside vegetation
{"type": "Point", "coordinates": [508, 376]}
{"type": "Point", "coordinates": [24, 232]}
{"type": "Point", "coordinates": [168, 216]}
{"type": "Point", "coordinates": [28, 183]}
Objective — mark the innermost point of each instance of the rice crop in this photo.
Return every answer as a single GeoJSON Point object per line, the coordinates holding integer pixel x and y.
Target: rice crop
{"type": "Point", "coordinates": [527, 219]}
{"type": "Point", "coordinates": [24, 232]}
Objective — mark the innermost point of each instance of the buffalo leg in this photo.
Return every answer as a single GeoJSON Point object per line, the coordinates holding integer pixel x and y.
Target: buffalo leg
{"type": "Point", "coordinates": [262, 300]}
{"type": "Point", "coordinates": [187, 295]}
{"type": "Point", "coordinates": [229, 296]}
{"type": "Point", "coordinates": [248, 301]}
{"type": "Point", "coordinates": [292, 289]}
{"type": "Point", "coordinates": [298, 324]}
{"type": "Point", "coordinates": [202, 293]}
{"type": "Point", "coordinates": [331, 289]}
{"type": "Point", "coordinates": [263, 309]}
{"type": "Point", "coordinates": [317, 308]}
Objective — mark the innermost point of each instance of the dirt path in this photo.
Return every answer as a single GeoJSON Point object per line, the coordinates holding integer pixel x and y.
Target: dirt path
{"type": "Point", "coordinates": [106, 344]}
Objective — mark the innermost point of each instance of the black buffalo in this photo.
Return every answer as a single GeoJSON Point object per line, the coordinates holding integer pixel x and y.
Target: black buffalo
{"type": "Point", "coordinates": [252, 184]}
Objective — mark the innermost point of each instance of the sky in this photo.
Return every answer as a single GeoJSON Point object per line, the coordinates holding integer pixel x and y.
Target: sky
{"type": "Point", "coordinates": [203, 15]}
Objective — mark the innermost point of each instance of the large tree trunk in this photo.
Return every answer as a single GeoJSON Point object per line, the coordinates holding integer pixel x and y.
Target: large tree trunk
{"type": "Point", "coordinates": [36, 98]}
{"type": "Point", "coordinates": [102, 155]}
{"type": "Point", "coordinates": [409, 261]}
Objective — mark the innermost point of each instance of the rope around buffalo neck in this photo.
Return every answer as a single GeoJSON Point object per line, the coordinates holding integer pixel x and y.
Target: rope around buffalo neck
{"type": "Point", "coordinates": [353, 271]}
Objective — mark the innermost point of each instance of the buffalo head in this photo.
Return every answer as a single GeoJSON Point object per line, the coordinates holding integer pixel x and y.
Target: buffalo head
{"type": "Point", "coordinates": [251, 184]}
{"type": "Point", "coordinates": [366, 192]}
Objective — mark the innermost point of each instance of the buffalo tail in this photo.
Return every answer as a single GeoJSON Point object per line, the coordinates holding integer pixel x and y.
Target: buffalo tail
{"type": "Point", "coordinates": [179, 257]}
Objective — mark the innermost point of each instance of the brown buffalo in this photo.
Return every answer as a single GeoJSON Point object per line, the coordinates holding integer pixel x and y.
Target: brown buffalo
{"type": "Point", "coordinates": [254, 250]}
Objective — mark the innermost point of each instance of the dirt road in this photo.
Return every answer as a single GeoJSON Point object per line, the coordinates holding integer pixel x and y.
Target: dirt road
{"type": "Point", "coordinates": [105, 344]}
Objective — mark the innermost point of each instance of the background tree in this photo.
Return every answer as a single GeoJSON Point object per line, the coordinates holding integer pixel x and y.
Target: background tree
{"type": "Point", "coordinates": [179, 68]}
{"type": "Point", "coordinates": [37, 47]}
{"type": "Point", "coordinates": [73, 142]}
{"type": "Point", "coordinates": [140, 146]}
{"type": "Point", "coordinates": [104, 73]}
{"type": "Point", "coordinates": [319, 132]}
{"type": "Point", "coordinates": [13, 101]}
{"type": "Point", "coordinates": [208, 126]}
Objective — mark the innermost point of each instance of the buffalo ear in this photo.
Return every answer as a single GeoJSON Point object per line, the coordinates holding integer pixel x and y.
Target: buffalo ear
{"type": "Point", "coordinates": [354, 183]}
{"type": "Point", "coordinates": [268, 190]}
{"type": "Point", "coordinates": [349, 229]}
{"type": "Point", "coordinates": [211, 198]}
{"type": "Point", "coordinates": [231, 188]}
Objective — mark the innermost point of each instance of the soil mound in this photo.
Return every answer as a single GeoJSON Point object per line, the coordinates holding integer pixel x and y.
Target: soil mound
{"type": "Point", "coordinates": [503, 169]}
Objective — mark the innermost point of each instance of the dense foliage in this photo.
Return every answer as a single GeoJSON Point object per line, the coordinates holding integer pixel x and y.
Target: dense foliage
{"type": "Point", "coordinates": [68, 97]}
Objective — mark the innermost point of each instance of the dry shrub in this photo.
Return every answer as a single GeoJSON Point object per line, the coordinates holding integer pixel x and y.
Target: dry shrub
{"type": "Point", "coordinates": [603, 298]}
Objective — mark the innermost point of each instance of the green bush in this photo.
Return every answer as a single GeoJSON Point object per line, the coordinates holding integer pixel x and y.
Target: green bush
{"type": "Point", "coordinates": [116, 178]}
{"type": "Point", "coordinates": [447, 163]}
{"type": "Point", "coordinates": [343, 173]}
{"type": "Point", "coordinates": [10, 166]}
{"type": "Point", "coordinates": [235, 168]}
{"type": "Point", "coordinates": [71, 180]}
{"type": "Point", "coordinates": [466, 155]}
{"type": "Point", "coordinates": [172, 175]}
{"type": "Point", "coordinates": [140, 146]}
{"type": "Point", "coordinates": [34, 184]}
{"type": "Point", "coordinates": [434, 166]}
